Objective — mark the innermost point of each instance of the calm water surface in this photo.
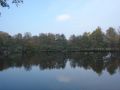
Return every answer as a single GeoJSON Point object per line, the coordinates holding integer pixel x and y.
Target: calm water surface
{"type": "Point", "coordinates": [61, 71]}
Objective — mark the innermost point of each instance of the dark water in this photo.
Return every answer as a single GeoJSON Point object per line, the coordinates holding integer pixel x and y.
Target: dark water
{"type": "Point", "coordinates": [61, 71]}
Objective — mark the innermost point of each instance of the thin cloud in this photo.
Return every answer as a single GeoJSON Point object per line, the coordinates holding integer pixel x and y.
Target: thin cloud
{"type": "Point", "coordinates": [63, 17]}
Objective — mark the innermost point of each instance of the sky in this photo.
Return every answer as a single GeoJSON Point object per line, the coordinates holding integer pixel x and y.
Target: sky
{"type": "Point", "coordinates": [60, 16]}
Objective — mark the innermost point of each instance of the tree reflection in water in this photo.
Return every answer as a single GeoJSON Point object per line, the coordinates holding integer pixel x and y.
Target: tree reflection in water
{"type": "Point", "coordinates": [55, 60]}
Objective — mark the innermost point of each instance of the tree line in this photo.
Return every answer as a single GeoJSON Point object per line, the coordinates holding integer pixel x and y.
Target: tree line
{"type": "Point", "coordinates": [57, 42]}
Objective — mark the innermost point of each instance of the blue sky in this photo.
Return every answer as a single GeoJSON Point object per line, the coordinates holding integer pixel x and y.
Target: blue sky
{"type": "Point", "coordinates": [60, 16]}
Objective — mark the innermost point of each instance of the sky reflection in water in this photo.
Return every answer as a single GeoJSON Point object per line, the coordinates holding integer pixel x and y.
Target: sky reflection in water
{"type": "Point", "coordinates": [60, 71]}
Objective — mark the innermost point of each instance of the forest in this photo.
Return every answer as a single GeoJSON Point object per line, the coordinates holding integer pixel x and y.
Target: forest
{"type": "Point", "coordinates": [27, 43]}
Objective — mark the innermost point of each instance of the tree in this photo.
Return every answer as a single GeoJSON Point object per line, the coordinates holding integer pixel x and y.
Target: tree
{"type": "Point", "coordinates": [119, 37]}
{"type": "Point", "coordinates": [5, 43]}
{"type": "Point", "coordinates": [18, 36]}
{"type": "Point", "coordinates": [27, 35]}
{"type": "Point", "coordinates": [73, 41]}
{"type": "Point", "coordinates": [112, 37]}
{"type": "Point", "coordinates": [4, 3]}
{"type": "Point", "coordinates": [85, 41]}
{"type": "Point", "coordinates": [60, 41]}
{"type": "Point", "coordinates": [4, 37]}
{"type": "Point", "coordinates": [97, 38]}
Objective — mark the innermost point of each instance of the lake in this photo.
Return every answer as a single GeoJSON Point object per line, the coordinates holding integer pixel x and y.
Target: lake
{"type": "Point", "coordinates": [61, 71]}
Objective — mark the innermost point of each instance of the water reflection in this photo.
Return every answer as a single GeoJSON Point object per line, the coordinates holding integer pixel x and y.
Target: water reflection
{"type": "Point", "coordinates": [97, 62]}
